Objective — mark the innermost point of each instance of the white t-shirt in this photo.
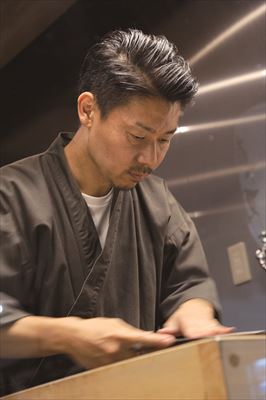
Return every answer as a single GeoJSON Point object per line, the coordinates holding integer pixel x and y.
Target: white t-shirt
{"type": "Point", "coordinates": [100, 208]}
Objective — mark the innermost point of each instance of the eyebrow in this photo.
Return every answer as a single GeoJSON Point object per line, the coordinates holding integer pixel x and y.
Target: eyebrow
{"type": "Point", "coordinates": [149, 129]}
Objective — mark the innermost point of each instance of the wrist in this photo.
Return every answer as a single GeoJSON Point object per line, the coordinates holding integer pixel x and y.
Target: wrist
{"type": "Point", "coordinates": [197, 305]}
{"type": "Point", "coordinates": [55, 335]}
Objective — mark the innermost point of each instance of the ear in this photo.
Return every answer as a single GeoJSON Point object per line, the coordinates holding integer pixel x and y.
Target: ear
{"type": "Point", "coordinates": [86, 107]}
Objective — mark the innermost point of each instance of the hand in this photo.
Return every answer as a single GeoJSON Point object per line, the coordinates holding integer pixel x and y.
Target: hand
{"type": "Point", "coordinates": [194, 319]}
{"type": "Point", "coordinates": [99, 341]}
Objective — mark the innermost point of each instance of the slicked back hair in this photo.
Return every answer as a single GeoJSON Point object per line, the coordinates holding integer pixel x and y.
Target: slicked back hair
{"type": "Point", "coordinates": [130, 63]}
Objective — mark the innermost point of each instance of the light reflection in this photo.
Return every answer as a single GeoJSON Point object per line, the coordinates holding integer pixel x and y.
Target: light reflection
{"type": "Point", "coordinates": [233, 29]}
{"type": "Point", "coordinates": [257, 378]}
{"type": "Point", "coordinates": [221, 124]}
{"type": "Point", "coordinates": [236, 80]}
{"type": "Point", "coordinates": [219, 173]}
{"type": "Point", "coordinates": [215, 211]}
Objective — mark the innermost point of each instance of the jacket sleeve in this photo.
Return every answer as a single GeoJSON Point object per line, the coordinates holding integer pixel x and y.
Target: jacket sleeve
{"type": "Point", "coordinates": [185, 271]}
{"type": "Point", "coordinates": [14, 266]}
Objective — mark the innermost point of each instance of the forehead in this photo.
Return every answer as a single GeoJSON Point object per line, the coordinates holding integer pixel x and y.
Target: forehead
{"type": "Point", "coordinates": [155, 113]}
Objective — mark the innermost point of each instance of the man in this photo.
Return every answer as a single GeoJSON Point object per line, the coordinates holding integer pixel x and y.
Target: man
{"type": "Point", "coordinates": [98, 259]}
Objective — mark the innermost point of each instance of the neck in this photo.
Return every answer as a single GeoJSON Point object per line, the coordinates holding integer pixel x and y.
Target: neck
{"type": "Point", "coordinates": [82, 166]}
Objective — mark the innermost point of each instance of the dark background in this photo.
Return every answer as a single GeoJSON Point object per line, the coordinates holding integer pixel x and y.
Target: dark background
{"type": "Point", "coordinates": [217, 173]}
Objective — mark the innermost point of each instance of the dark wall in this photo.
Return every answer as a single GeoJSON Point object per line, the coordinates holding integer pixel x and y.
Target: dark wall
{"type": "Point", "coordinates": [38, 86]}
{"type": "Point", "coordinates": [216, 171]}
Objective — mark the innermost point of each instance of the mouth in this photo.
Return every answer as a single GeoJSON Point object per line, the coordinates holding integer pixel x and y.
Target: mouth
{"type": "Point", "coordinates": [137, 177]}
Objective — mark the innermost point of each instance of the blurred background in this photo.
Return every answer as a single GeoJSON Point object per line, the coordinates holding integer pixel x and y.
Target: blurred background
{"type": "Point", "coordinates": [216, 165]}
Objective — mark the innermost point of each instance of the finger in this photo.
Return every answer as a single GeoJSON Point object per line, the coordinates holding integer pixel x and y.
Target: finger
{"type": "Point", "coordinates": [207, 330]}
{"type": "Point", "coordinates": [149, 339]}
{"type": "Point", "coordinates": [166, 330]}
{"type": "Point", "coordinates": [171, 327]}
{"type": "Point", "coordinates": [221, 330]}
{"type": "Point", "coordinates": [215, 326]}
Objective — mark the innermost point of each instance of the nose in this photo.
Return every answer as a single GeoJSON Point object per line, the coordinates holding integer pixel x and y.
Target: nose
{"type": "Point", "coordinates": [149, 155]}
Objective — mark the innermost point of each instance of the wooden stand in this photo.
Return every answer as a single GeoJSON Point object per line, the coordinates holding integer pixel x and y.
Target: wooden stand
{"type": "Point", "coordinates": [194, 370]}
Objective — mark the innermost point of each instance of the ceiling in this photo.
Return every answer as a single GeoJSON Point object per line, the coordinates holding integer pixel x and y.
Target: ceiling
{"type": "Point", "coordinates": [24, 20]}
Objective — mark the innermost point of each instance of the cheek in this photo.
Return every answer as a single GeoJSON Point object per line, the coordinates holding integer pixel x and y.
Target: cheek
{"type": "Point", "coordinates": [113, 151]}
{"type": "Point", "coordinates": [162, 155]}
{"type": "Point", "coordinates": [106, 148]}
{"type": "Point", "coordinates": [117, 158]}
{"type": "Point", "coordinates": [124, 158]}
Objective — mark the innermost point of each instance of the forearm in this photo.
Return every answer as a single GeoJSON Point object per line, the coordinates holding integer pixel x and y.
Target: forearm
{"type": "Point", "coordinates": [88, 342]}
{"type": "Point", "coordinates": [34, 336]}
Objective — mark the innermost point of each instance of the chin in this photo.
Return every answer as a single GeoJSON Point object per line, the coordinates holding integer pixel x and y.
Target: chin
{"type": "Point", "coordinates": [124, 185]}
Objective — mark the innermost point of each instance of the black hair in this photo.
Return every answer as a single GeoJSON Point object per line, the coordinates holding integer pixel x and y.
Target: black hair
{"type": "Point", "coordinates": [130, 63]}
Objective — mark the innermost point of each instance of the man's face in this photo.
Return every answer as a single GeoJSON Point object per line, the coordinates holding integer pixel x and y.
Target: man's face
{"type": "Point", "coordinates": [131, 141]}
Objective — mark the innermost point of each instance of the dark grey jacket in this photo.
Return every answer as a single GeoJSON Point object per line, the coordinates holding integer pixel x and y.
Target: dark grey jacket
{"type": "Point", "coordinates": [52, 263]}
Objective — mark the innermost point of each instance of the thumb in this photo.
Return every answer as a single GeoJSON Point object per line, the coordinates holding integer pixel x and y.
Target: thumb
{"type": "Point", "coordinates": [171, 326]}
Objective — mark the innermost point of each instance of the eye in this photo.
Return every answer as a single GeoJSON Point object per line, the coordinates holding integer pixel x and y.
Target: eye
{"type": "Point", "coordinates": [136, 137]}
{"type": "Point", "coordinates": [164, 141]}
